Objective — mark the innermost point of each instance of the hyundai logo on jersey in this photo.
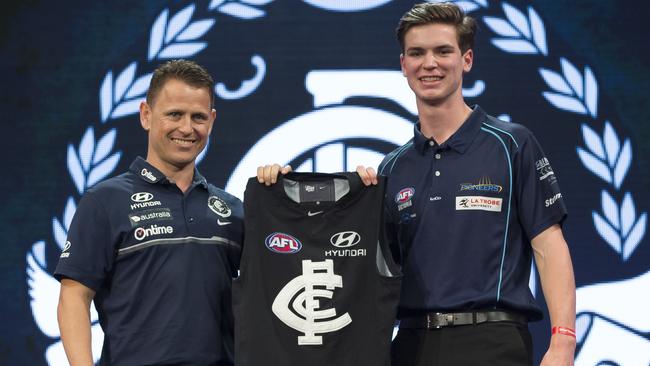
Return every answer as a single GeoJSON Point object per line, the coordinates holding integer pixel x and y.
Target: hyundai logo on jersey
{"type": "Point", "coordinates": [283, 243]}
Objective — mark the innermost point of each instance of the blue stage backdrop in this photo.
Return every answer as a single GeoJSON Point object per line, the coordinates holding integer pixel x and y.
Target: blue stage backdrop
{"type": "Point", "coordinates": [316, 83]}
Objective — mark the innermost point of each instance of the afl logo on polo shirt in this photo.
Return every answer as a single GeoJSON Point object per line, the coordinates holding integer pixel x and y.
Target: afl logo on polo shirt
{"type": "Point", "coordinates": [283, 243]}
{"type": "Point", "coordinates": [403, 198]}
{"type": "Point", "coordinates": [219, 206]}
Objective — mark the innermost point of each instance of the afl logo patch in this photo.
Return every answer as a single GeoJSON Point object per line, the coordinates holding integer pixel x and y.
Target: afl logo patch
{"type": "Point", "coordinates": [283, 243]}
{"type": "Point", "coordinates": [219, 206]}
{"type": "Point", "coordinates": [404, 195]}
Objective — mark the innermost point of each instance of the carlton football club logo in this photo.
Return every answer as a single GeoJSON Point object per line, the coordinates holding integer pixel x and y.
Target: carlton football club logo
{"type": "Point", "coordinates": [304, 314]}
{"type": "Point", "coordinates": [612, 324]}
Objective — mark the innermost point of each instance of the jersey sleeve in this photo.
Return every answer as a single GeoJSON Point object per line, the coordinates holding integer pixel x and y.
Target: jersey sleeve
{"type": "Point", "coordinates": [89, 253]}
{"type": "Point", "coordinates": [537, 191]}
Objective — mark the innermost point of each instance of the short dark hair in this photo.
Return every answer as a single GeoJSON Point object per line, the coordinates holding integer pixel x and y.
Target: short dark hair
{"type": "Point", "coordinates": [445, 13]}
{"type": "Point", "coordinates": [184, 70]}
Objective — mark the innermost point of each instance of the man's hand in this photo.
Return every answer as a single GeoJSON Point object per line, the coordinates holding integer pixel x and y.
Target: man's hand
{"type": "Point", "coordinates": [268, 174]}
{"type": "Point", "coordinates": [561, 352]}
{"type": "Point", "coordinates": [368, 175]}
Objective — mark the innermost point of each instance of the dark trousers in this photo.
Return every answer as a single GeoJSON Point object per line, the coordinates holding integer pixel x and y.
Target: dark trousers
{"type": "Point", "coordinates": [498, 344]}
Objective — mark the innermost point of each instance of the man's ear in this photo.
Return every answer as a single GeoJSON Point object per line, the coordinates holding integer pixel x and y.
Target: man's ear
{"type": "Point", "coordinates": [145, 116]}
{"type": "Point", "coordinates": [401, 63]}
{"type": "Point", "coordinates": [468, 60]}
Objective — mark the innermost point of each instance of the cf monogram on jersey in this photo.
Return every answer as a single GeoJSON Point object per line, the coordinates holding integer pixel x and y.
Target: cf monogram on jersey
{"type": "Point", "coordinates": [306, 305]}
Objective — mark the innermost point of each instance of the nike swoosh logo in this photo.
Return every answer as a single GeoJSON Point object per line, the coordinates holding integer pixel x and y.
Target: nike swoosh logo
{"type": "Point", "coordinates": [314, 213]}
{"type": "Point", "coordinates": [222, 223]}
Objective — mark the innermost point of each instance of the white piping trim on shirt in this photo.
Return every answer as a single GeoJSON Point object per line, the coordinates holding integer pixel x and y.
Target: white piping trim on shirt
{"type": "Point", "coordinates": [215, 240]}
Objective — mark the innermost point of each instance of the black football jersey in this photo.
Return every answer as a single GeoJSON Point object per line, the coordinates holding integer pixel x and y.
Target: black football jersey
{"type": "Point", "coordinates": [318, 285]}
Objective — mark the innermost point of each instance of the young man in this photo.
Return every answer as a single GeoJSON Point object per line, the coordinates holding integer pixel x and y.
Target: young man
{"type": "Point", "coordinates": [157, 246]}
{"type": "Point", "coordinates": [470, 199]}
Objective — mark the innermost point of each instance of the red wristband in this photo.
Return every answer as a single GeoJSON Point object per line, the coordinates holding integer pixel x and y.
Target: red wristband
{"type": "Point", "coordinates": [562, 330]}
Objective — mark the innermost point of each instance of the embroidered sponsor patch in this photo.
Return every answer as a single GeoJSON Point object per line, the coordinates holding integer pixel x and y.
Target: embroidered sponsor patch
{"type": "Point", "coordinates": [142, 217]}
{"type": "Point", "coordinates": [479, 203]}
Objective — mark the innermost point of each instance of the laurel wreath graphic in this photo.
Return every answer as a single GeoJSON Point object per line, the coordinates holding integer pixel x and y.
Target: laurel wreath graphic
{"type": "Point", "coordinates": [577, 92]}
{"type": "Point", "coordinates": [179, 36]}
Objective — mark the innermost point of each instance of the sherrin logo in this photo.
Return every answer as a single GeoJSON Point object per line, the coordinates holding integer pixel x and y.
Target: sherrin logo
{"type": "Point", "coordinates": [142, 233]}
{"type": "Point", "coordinates": [283, 243]}
{"type": "Point", "coordinates": [404, 195]}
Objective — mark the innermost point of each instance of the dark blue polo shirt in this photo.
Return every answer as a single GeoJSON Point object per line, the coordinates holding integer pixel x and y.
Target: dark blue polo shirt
{"type": "Point", "coordinates": [464, 213]}
{"type": "Point", "coordinates": [161, 263]}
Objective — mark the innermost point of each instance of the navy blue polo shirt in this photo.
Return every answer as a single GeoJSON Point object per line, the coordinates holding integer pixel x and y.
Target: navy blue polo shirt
{"type": "Point", "coordinates": [464, 213]}
{"type": "Point", "coordinates": [161, 263]}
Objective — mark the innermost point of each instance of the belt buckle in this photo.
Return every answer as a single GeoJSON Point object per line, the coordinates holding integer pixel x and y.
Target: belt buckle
{"type": "Point", "coordinates": [439, 320]}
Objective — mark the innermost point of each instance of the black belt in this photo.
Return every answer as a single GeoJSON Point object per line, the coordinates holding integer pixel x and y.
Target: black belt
{"type": "Point", "coordinates": [441, 320]}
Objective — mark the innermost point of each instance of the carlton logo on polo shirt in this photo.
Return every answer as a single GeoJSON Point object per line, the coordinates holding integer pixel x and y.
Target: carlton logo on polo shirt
{"type": "Point", "coordinates": [403, 198]}
{"type": "Point", "coordinates": [153, 230]}
{"type": "Point", "coordinates": [143, 200]}
{"type": "Point", "coordinates": [219, 206]}
{"type": "Point", "coordinates": [479, 203]}
{"type": "Point", "coordinates": [283, 243]}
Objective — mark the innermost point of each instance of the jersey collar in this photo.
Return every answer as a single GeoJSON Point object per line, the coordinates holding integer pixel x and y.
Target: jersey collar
{"type": "Point", "coordinates": [460, 140]}
{"type": "Point", "coordinates": [150, 174]}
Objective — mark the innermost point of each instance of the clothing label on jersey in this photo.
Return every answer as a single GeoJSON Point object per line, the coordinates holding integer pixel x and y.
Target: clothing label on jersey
{"type": "Point", "coordinates": [479, 203]}
{"type": "Point", "coordinates": [317, 191]}
{"type": "Point", "coordinates": [303, 313]}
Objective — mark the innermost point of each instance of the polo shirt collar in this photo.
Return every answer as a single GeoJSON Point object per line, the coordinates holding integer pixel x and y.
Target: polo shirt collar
{"type": "Point", "coordinates": [150, 174]}
{"type": "Point", "coordinates": [460, 140]}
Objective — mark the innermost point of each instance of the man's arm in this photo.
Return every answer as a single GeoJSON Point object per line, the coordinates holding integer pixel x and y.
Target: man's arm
{"type": "Point", "coordinates": [556, 273]}
{"type": "Point", "coordinates": [73, 314]}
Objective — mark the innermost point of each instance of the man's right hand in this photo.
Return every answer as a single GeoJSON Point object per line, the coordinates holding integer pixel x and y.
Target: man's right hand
{"type": "Point", "coordinates": [268, 174]}
{"type": "Point", "coordinates": [368, 175]}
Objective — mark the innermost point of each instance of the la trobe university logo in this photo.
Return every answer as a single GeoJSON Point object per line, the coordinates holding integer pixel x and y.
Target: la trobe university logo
{"type": "Point", "coordinates": [356, 116]}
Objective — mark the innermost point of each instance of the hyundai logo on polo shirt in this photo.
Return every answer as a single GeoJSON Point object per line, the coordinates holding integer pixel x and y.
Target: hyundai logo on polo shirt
{"type": "Point", "coordinates": [141, 197]}
{"type": "Point", "coordinates": [219, 206]}
{"type": "Point", "coordinates": [143, 200]}
{"type": "Point", "coordinates": [345, 239]}
{"type": "Point", "coordinates": [283, 243]}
